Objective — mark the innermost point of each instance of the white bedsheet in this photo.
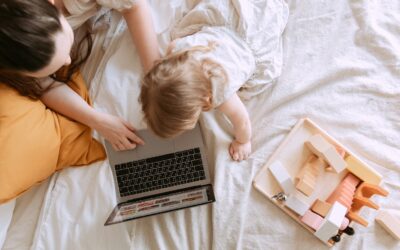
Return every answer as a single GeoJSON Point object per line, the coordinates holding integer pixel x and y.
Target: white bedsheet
{"type": "Point", "coordinates": [341, 67]}
{"type": "Point", "coordinates": [6, 213]}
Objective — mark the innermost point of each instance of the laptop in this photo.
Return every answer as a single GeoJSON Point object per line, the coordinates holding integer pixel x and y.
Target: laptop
{"type": "Point", "coordinates": [161, 176]}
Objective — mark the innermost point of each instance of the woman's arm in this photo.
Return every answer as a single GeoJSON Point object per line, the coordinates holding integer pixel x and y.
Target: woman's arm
{"type": "Point", "coordinates": [65, 101]}
{"type": "Point", "coordinates": [235, 110]}
{"type": "Point", "coordinates": [140, 25]}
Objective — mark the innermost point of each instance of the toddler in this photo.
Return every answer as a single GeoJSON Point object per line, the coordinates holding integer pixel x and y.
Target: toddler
{"type": "Point", "coordinates": [202, 71]}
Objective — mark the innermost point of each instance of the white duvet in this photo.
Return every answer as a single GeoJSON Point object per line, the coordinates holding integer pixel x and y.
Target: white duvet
{"type": "Point", "coordinates": [341, 68]}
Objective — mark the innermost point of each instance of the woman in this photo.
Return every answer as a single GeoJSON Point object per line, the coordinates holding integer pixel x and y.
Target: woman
{"type": "Point", "coordinates": [36, 41]}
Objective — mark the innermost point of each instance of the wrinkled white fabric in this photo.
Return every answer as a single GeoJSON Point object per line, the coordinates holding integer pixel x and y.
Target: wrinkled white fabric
{"type": "Point", "coordinates": [119, 5]}
{"type": "Point", "coordinates": [101, 18]}
{"type": "Point", "coordinates": [82, 10]}
{"type": "Point", "coordinates": [340, 68]}
{"type": "Point", "coordinates": [6, 213]}
{"type": "Point", "coordinates": [263, 35]}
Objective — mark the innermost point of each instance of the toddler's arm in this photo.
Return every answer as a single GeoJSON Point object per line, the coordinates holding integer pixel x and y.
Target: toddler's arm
{"type": "Point", "coordinates": [140, 25]}
{"type": "Point", "coordinates": [234, 109]}
{"type": "Point", "coordinates": [65, 101]}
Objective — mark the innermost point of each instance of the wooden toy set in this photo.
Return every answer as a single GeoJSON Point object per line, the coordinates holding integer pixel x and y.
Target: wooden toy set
{"type": "Point", "coordinates": [320, 184]}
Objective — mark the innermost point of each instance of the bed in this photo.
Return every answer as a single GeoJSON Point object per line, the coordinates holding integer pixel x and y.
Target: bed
{"type": "Point", "coordinates": [340, 67]}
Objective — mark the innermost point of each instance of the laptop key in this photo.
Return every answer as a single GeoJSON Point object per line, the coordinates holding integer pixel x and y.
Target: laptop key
{"type": "Point", "coordinates": [201, 172]}
{"type": "Point", "coordinates": [197, 162]}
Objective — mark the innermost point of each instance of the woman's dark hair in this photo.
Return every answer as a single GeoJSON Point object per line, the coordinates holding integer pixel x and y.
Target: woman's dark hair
{"type": "Point", "coordinates": [27, 44]}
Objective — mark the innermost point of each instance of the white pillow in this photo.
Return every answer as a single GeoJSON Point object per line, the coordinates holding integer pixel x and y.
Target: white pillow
{"type": "Point", "coordinates": [6, 213]}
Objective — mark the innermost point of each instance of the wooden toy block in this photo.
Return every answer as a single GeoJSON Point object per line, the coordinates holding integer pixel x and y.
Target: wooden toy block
{"type": "Point", "coordinates": [308, 175]}
{"type": "Point", "coordinates": [312, 219]}
{"type": "Point", "coordinates": [367, 190]}
{"type": "Point", "coordinates": [317, 144]}
{"type": "Point", "coordinates": [323, 149]}
{"type": "Point", "coordinates": [332, 222]}
{"type": "Point", "coordinates": [390, 223]}
{"type": "Point", "coordinates": [344, 192]}
{"type": "Point", "coordinates": [342, 154]}
{"type": "Point", "coordinates": [282, 177]}
{"type": "Point", "coordinates": [361, 199]}
{"type": "Point", "coordinates": [352, 180]}
{"type": "Point", "coordinates": [335, 160]}
{"type": "Point", "coordinates": [362, 171]}
{"type": "Point", "coordinates": [344, 224]}
{"type": "Point", "coordinates": [357, 218]}
{"type": "Point", "coordinates": [321, 207]}
{"type": "Point", "coordinates": [297, 203]}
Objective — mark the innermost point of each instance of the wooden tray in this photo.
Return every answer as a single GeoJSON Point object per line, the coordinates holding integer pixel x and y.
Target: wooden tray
{"type": "Point", "coordinates": [293, 154]}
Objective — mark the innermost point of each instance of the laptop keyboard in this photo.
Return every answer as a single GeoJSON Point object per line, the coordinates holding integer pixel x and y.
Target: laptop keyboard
{"type": "Point", "coordinates": [159, 172]}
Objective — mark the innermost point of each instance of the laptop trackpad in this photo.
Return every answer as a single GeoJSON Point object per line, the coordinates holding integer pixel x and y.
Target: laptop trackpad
{"type": "Point", "coordinates": [160, 146]}
{"type": "Point", "coordinates": [154, 145]}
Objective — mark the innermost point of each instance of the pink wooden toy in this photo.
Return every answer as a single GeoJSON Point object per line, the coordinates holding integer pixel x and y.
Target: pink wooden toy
{"type": "Point", "coordinates": [312, 219]}
{"type": "Point", "coordinates": [345, 191]}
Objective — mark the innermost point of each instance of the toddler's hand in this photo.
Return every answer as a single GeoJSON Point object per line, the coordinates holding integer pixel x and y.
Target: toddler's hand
{"type": "Point", "coordinates": [239, 151]}
{"type": "Point", "coordinates": [117, 131]}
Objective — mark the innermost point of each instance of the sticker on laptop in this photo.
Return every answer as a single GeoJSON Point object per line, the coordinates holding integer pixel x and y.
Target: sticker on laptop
{"type": "Point", "coordinates": [161, 204]}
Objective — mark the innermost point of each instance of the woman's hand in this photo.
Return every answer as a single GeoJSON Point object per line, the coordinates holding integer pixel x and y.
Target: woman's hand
{"type": "Point", "coordinates": [117, 131]}
{"type": "Point", "coordinates": [240, 151]}
{"type": "Point", "coordinates": [65, 101]}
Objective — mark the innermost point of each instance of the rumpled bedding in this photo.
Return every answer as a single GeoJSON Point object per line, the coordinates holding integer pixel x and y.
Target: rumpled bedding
{"type": "Point", "coordinates": [339, 65]}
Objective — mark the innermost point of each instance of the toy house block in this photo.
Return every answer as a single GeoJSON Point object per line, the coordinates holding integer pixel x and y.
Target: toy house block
{"type": "Point", "coordinates": [308, 175]}
{"type": "Point", "coordinates": [361, 199]}
{"type": "Point", "coordinates": [321, 207]}
{"type": "Point", "coordinates": [344, 192]}
{"type": "Point", "coordinates": [332, 222]}
{"type": "Point", "coordinates": [344, 224]}
{"type": "Point", "coordinates": [282, 177]}
{"type": "Point", "coordinates": [312, 219]}
{"type": "Point", "coordinates": [342, 154]}
{"type": "Point", "coordinates": [351, 180]}
{"type": "Point", "coordinates": [390, 223]}
{"type": "Point", "coordinates": [323, 149]}
{"type": "Point", "coordinates": [357, 218]}
{"type": "Point", "coordinates": [367, 190]}
{"type": "Point", "coordinates": [298, 203]}
{"type": "Point", "coordinates": [362, 171]}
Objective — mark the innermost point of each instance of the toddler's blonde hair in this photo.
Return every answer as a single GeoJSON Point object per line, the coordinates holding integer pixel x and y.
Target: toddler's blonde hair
{"type": "Point", "coordinates": [177, 89]}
